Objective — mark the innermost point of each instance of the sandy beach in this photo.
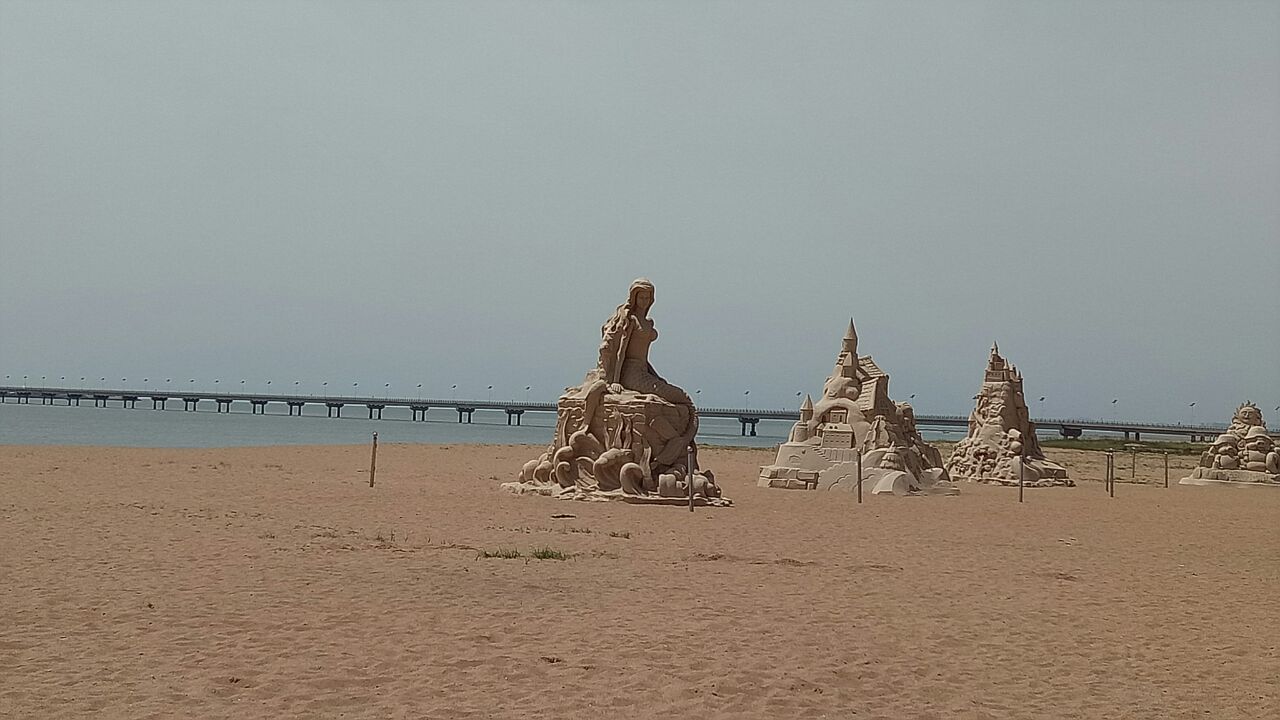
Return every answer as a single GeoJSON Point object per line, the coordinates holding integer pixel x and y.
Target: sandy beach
{"type": "Point", "coordinates": [274, 582]}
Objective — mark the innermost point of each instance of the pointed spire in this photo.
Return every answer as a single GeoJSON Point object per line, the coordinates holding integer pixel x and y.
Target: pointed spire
{"type": "Point", "coordinates": [807, 404]}
{"type": "Point", "coordinates": [850, 343]}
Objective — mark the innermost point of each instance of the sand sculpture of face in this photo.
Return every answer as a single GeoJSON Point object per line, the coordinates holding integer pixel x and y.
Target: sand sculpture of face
{"type": "Point", "coordinates": [1224, 452]}
{"type": "Point", "coordinates": [1259, 451]}
{"type": "Point", "coordinates": [1225, 445]}
{"type": "Point", "coordinates": [1249, 414]}
{"type": "Point", "coordinates": [640, 298]}
{"type": "Point", "coordinates": [1259, 441]}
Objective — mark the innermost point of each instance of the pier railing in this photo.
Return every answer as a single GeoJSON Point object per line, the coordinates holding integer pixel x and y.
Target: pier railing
{"type": "Point", "coordinates": [419, 406]}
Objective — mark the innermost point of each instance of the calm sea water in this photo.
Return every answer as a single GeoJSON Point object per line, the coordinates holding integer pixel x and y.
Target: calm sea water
{"type": "Point", "coordinates": [119, 427]}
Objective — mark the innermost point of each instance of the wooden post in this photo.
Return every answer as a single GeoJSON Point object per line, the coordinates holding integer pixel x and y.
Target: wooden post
{"type": "Point", "coordinates": [689, 475]}
{"type": "Point", "coordinates": [859, 477]}
{"type": "Point", "coordinates": [1022, 471]}
{"type": "Point", "coordinates": [1112, 489]}
{"type": "Point", "coordinates": [1133, 469]}
{"type": "Point", "coordinates": [1106, 475]}
{"type": "Point", "coordinates": [1166, 468]}
{"type": "Point", "coordinates": [373, 460]}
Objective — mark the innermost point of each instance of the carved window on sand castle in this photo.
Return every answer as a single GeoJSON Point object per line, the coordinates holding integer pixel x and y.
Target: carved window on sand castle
{"type": "Point", "coordinates": [838, 416]}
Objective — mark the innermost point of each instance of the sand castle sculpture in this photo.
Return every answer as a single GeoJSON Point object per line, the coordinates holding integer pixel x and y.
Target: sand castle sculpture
{"type": "Point", "coordinates": [1244, 455]}
{"type": "Point", "coordinates": [624, 433]}
{"type": "Point", "coordinates": [855, 417]}
{"type": "Point", "coordinates": [1001, 434]}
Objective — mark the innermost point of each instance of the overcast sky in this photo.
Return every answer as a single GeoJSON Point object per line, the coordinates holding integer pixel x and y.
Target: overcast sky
{"type": "Point", "coordinates": [445, 193]}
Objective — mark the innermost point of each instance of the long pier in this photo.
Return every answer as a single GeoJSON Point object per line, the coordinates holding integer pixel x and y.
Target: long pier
{"type": "Point", "coordinates": [419, 407]}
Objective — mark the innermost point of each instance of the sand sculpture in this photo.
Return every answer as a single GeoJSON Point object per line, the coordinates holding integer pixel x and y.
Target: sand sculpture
{"type": "Point", "coordinates": [1001, 434]}
{"type": "Point", "coordinates": [1244, 455]}
{"type": "Point", "coordinates": [625, 432]}
{"type": "Point", "coordinates": [855, 417]}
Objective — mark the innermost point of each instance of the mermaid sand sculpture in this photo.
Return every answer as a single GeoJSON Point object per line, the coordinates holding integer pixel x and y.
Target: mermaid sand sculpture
{"type": "Point", "coordinates": [625, 432]}
{"type": "Point", "coordinates": [1244, 455]}
{"type": "Point", "coordinates": [855, 417]}
{"type": "Point", "coordinates": [1001, 434]}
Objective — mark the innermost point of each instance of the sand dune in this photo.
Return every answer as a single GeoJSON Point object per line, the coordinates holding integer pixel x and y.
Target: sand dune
{"type": "Point", "coordinates": [273, 582]}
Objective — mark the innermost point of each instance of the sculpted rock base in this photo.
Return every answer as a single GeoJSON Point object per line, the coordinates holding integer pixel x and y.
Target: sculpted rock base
{"type": "Point", "coordinates": [578, 469]}
{"type": "Point", "coordinates": [1240, 478]}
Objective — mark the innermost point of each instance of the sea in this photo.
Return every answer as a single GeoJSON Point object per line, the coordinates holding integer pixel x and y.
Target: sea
{"type": "Point", "coordinates": [36, 424]}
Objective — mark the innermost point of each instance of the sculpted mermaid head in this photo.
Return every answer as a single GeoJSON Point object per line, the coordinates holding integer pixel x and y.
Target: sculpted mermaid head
{"type": "Point", "coordinates": [640, 296]}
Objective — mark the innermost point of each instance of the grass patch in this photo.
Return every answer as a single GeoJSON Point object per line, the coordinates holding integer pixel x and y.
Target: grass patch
{"type": "Point", "coordinates": [623, 534]}
{"type": "Point", "coordinates": [546, 553]}
{"type": "Point", "coordinates": [501, 553]}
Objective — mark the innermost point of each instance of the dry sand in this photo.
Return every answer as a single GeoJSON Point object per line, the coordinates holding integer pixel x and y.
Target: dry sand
{"type": "Point", "coordinates": [273, 582]}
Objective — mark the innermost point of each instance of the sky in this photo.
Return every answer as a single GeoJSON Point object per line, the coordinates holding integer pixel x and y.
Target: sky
{"type": "Point", "coordinates": [395, 193]}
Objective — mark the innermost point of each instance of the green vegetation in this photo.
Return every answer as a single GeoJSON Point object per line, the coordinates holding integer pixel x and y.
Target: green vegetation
{"type": "Point", "coordinates": [547, 553]}
{"type": "Point", "coordinates": [1119, 445]}
{"type": "Point", "coordinates": [502, 553]}
{"type": "Point", "coordinates": [544, 553]}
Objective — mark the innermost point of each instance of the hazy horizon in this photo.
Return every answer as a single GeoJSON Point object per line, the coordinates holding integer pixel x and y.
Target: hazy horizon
{"type": "Point", "coordinates": [460, 193]}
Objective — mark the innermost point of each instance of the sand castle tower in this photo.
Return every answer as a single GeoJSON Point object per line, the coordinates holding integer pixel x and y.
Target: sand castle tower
{"type": "Point", "coordinates": [625, 432]}
{"type": "Point", "coordinates": [1244, 455]}
{"type": "Point", "coordinates": [1001, 434]}
{"type": "Point", "coordinates": [855, 418]}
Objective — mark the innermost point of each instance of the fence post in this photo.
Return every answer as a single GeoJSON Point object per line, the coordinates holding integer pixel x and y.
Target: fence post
{"type": "Point", "coordinates": [1022, 471]}
{"type": "Point", "coordinates": [689, 475]}
{"type": "Point", "coordinates": [1166, 468]}
{"type": "Point", "coordinates": [1106, 475]}
{"type": "Point", "coordinates": [373, 460]}
{"type": "Point", "coordinates": [1111, 489]}
{"type": "Point", "coordinates": [859, 477]}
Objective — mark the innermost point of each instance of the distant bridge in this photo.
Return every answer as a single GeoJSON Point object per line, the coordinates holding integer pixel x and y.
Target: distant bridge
{"type": "Point", "coordinates": [418, 407]}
